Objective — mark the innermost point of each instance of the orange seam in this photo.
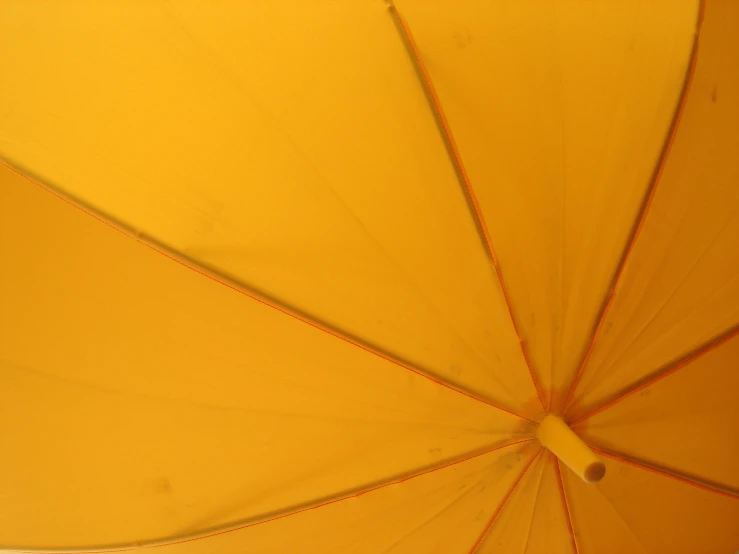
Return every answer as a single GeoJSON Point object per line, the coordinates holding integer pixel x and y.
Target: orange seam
{"type": "Point", "coordinates": [670, 369]}
{"type": "Point", "coordinates": [642, 214]}
{"type": "Point", "coordinates": [563, 496]}
{"type": "Point", "coordinates": [282, 516]}
{"type": "Point", "coordinates": [395, 482]}
{"type": "Point", "coordinates": [502, 504]}
{"type": "Point", "coordinates": [467, 184]}
{"type": "Point", "coordinates": [664, 473]}
{"type": "Point", "coordinates": [284, 310]}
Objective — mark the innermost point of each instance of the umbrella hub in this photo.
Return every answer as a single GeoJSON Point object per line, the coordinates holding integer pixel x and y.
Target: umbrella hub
{"type": "Point", "coordinates": [554, 434]}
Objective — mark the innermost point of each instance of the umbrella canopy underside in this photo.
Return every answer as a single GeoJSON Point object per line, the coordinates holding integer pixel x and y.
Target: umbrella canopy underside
{"type": "Point", "coordinates": [305, 276]}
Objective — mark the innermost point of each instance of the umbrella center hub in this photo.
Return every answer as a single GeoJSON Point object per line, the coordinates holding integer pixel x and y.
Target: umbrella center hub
{"type": "Point", "coordinates": [570, 449]}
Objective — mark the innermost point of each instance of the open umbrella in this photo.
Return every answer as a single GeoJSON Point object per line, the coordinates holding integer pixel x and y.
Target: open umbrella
{"type": "Point", "coordinates": [348, 276]}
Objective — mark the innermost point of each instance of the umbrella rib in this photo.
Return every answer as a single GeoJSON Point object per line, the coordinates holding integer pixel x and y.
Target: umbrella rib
{"type": "Point", "coordinates": [682, 477]}
{"type": "Point", "coordinates": [258, 296]}
{"type": "Point", "coordinates": [665, 371]}
{"type": "Point", "coordinates": [463, 177]}
{"type": "Point", "coordinates": [566, 505]}
{"type": "Point", "coordinates": [641, 216]}
{"type": "Point", "coordinates": [533, 508]}
{"type": "Point", "coordinates": [282, 514]}
{"type": "Point", "coordinates": [503, 502]}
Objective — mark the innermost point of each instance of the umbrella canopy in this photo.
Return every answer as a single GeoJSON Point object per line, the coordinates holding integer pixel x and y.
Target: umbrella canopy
{"type": "Point", "coordinates": [364, 277]}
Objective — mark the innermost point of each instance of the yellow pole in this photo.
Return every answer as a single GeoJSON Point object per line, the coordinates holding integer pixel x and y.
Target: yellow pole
{"type": "Point", "coordinates": [570, 449]}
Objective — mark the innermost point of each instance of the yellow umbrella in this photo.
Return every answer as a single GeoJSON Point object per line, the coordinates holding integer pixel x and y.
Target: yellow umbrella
{"type": "Point", "coordinates": [344, 276]}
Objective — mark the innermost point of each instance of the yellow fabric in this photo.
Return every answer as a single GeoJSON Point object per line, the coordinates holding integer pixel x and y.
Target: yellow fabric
{"type": "Point", "coordinates": [600, 526]}
{"type": "Point", "coordinates": [560, 110]}
{"type": "Point", "coordinates": [458, 500]}
{"type": "Point", "coordinates": [201, 396]}
{"type": "Point", "coordinates": [212, 124]}
{"type": "Point", "coordinates": [510, 530]}
{"type": "Point", "coordinates": [545, 527]}
{"type": "Point", "coordinates": [659, 513]}
{"type": "Point", "coordinates": [643, 424]}
{"type": "Point", "coordinates": [680, 288]}
{"type": "Point", "coordinates": [247, 305]}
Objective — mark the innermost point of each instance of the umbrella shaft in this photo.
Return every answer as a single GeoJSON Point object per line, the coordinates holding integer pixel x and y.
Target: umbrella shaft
{"type": "Point", "coordinates": [554, 434]}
